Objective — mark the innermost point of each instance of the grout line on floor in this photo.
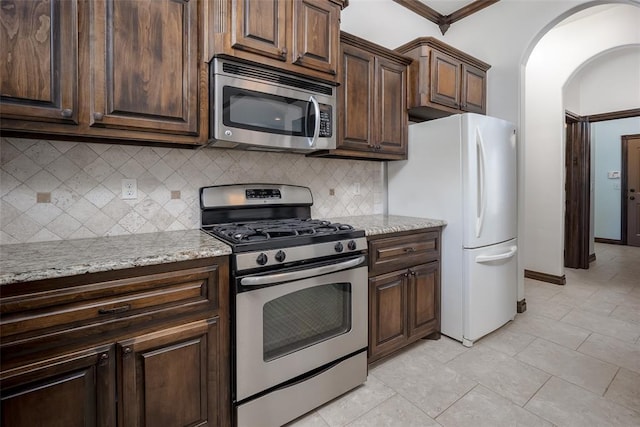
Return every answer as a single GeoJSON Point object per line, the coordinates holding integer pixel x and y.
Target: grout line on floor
{"type": "Point", "coordinates": [454, 402]}
{"type": "Point", "coordinates": [611, 382]}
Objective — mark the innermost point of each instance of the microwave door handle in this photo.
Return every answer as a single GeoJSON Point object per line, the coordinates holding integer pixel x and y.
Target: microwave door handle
{"type": "Point", "coordinates": [302, 274]}
{"type": "Point", "coordinates": [316, 129]}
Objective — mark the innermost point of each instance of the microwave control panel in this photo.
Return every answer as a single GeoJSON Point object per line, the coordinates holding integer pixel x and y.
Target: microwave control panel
{"type": "Point", "coordinates": [325, 121]}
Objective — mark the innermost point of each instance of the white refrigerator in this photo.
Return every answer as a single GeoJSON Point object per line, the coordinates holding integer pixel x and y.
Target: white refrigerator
{"type": "Point", "coordinates": [462, 169]}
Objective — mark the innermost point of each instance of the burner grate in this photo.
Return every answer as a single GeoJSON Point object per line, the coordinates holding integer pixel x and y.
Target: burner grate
{"type": "Point", "coordinates": [241, 232]}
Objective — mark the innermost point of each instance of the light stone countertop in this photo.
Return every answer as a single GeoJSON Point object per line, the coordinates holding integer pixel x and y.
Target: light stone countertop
{"type": "Point", "coordinates": [34, 261]}
{"type": "Point", "coordinates": [382, 224]}
{"type": "Point", "coordinates": [46, 260]}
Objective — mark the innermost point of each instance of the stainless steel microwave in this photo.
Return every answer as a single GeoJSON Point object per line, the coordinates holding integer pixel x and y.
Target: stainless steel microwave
{"type": "Point", "coordinates": [261, 109]}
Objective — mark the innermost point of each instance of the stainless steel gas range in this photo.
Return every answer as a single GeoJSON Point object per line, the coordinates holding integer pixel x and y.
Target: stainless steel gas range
{"type": "Point", "coordinates": [299, 300]}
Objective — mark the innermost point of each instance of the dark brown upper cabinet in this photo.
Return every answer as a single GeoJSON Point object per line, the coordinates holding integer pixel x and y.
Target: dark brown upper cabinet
{"type": "Point", "coordinates": [122, 71]}
{"type": "Point", "coordinates": [443, 80]}
{"type": "Point", "coordinates": [298, 36]}
{"type": "Point", "coordinates": [372, 111]}
{"type": "Point", "coordinates": [144, 65]}
{"type": "Point", "coordinates": [39, 51]}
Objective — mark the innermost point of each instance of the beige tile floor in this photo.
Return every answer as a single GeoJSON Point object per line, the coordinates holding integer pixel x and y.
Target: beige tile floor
{"type": "Point", "coordinates": [572, 359]}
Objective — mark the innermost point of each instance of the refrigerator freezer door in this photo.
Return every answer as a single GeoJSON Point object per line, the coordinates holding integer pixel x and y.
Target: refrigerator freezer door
{"type": "Point", "coordinates": [490, 296]}
{"type": "Point", "coordinates": [489, 180]}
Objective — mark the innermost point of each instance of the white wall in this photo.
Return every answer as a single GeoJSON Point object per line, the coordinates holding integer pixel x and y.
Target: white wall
{"type": "Point", "coordinates": [609, 82]}
{"type": "Point", "coordinates": [555, 58]}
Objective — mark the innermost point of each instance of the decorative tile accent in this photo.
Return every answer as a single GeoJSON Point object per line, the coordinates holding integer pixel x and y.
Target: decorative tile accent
{"type": "Point", "coordinates": [84, 181]}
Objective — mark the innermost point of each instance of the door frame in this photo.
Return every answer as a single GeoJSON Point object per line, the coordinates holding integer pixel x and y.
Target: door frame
{"type": "Point", "coordinates": [577, 191]}
{"type": "Point", "coordinates": [624, 143]}
{"type": "Point", "coordinates": [572, 210]}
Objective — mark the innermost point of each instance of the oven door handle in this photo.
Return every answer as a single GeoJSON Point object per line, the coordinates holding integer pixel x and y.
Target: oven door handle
{"type": "Point", "coordinates": [303, 274]}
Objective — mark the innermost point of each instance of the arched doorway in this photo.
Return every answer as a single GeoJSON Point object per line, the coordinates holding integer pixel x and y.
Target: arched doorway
{"type": "Point", "coordinates": [558, 52]}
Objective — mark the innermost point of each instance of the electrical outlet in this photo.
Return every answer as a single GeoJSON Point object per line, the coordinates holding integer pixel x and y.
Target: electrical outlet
{"type": "Point", "coordinates": [129, 189]}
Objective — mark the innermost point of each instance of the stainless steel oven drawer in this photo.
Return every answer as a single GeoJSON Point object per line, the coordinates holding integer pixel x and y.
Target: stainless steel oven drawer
{"type": "Point", "coordinates": [283, 405]}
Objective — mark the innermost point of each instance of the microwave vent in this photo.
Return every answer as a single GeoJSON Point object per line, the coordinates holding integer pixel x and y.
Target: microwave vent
{"type": "Point", "coordinates": [257, 73]}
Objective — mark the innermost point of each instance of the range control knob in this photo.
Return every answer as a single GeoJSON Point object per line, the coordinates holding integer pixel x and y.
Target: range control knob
{"type": "Point", "coordinates": [352, 245]}
{"type": "Point", "coordinates": [262, 259]}
{"type": "Point", "coordinates": [280, 256]}
{"type": "Point", "coordinates": [338, 247]}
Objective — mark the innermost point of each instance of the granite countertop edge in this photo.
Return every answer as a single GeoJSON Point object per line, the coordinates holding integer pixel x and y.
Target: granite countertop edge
{"type": "Point", "coordinates": [49, 260]}
{"type": "Point", "coordinates": [384, 224]}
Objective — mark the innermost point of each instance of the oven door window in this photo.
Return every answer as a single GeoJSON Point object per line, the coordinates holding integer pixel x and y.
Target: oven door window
{"type": "Point", "coordinates": [305, 317]}
{"type": "Point", "coordinates": [264, 112]}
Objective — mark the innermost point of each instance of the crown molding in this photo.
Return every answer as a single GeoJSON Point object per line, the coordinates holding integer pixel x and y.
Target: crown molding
{"type": "Point", "coordinates": [444, 21]}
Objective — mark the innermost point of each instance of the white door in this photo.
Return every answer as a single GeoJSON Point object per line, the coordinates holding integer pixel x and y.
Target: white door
{"type": "Point", "coordinates": [489, 180]}
{"type": "Point", "coordinates": [490, 294]}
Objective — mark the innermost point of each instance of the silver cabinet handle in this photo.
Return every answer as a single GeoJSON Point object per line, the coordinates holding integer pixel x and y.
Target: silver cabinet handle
{"type": "Point", "coordinates": [302, 274]}
{"type": "Point", "coordinates": [66, 113]}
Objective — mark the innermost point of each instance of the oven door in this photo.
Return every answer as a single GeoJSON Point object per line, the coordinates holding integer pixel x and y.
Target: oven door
{"type": "Point", "coordinates": [299, 321]}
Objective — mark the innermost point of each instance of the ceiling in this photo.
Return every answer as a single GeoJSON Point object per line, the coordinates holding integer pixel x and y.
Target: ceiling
{"type": "Point", "coordinates": [445, 12]}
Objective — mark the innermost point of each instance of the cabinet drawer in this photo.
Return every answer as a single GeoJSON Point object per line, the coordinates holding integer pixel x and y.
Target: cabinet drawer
{"type": "Point", "coordinates": [394, 253]}
{"type": "Point", "coordinates": [109, 300]}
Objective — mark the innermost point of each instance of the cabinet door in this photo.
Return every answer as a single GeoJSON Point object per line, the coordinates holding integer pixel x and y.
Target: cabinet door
{"type": "Point", "coordinates": [259, 26]}
{"type": "Point", "coordinates": [316, 34]}
{"type": "Point", "coordinates": [73, 390]}
{"type": "Point", "coordinates": [169, 378]}
{"type": "Point", "coordinates": [39, 68]}
{"type": "Point", "coordinates": [445, 79]}
{"type": "Point", "coordinates": [387, 314]}
{"type": "Point", "coordinates": [424, 299]}
{"type": "Point", "coordinates": [144, 60]}
{"type": "Point", "coordinates": [356, 99]}
{"type": "Point", "coordinates": [474, 97]}
{"type": "Point", "coordinates": [391, 108]}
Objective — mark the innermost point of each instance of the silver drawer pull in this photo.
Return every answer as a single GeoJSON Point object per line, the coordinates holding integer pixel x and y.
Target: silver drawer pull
{"type": "Point", "coordinates": [114, 310]}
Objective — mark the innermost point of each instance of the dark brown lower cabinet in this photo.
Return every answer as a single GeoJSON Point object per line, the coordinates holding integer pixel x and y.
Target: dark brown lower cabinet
{"type": "Point", "coordinates": [423, 304]}
{"type": "Point", "coordinates": [388, 313]}
{"type": "Point", "coordinates": [71, 390]}
{"type": "Point", "coordinates": [404, 304]}
{"type": "Point", "coordinates": [169, 378]}
{"type": "Point", "coordinates": [142, 347]}
{"type": "Point", "coordinates": [403, 307]}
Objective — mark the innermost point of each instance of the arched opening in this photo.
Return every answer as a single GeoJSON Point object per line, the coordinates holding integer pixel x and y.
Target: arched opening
{"type": "Point", "coordinates": [560, 49]}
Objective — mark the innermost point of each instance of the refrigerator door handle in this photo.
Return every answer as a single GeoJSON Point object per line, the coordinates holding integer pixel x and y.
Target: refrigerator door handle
{"type": "Point", "coordinates": [481, 193]}
{"type": "Point", "coordinates": [488, 258]}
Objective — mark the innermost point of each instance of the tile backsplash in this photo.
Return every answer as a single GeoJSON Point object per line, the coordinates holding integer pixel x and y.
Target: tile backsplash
{"type": "Point", "coordinates": [52, 190]}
